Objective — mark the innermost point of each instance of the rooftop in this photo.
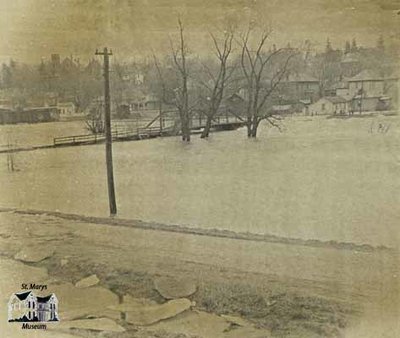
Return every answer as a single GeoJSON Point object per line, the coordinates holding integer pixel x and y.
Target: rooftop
{"type": "Point", "coordinates": [367, 75]}
{"type": "Point", "coordinates": [43, 299]}
{"type": "Point", "coordinates": [23, 295]}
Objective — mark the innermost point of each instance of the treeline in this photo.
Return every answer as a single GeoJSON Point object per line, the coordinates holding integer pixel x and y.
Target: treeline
{"type": "Point", "coordinates": [239, 60]}
{"type": "Point", "coordinates": [64, 80]}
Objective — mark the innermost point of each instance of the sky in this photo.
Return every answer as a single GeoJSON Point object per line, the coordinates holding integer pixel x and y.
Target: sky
{"type": "Point", "coordinates": [34, 29]}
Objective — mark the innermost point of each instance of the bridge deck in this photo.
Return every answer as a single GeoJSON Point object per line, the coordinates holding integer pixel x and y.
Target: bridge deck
{"type": "Point", "coordinates": [129, 133]}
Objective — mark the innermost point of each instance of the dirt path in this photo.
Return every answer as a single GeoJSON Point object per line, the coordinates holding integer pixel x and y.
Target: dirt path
{"type": "Point", "coordinates": [288, 290]}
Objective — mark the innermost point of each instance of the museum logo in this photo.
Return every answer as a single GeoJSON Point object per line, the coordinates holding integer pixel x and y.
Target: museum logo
{"type": "Point", "coordinates": [32, 310]}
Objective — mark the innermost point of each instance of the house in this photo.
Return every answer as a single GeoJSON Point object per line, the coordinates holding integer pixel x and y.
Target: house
{"type": "Point", "coordinates": [27, 307]}
{"type": "Point", "coordinates": [139, 101]}
{"type": "Point", "coordinates": [299, 86]}
{"type": "Point", "coordinates": [29, 115]}
{"type": "Point", "coordinates": [339, 88]}
{"type": "Point", "coordinates": [359, 104]}
{"type": "Point", "coordinates": [369, 83]}
{"type": "Point", "coordinates": [38, 114]}
{"type": "Point", "coordinates": [329, 105]}
{"type": "Point", "coordinates": [371, 91]}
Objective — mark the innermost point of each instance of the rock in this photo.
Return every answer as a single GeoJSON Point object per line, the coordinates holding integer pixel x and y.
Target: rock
{"type": "Point", "coordinates": [150, 314]}
{"type": "Point", "coordinates": [248, 332]}
{"type": "Point", "coordinates": [98, 324]}
{"type": "Point", "coordinates": [34, 253]}
{"type": "Point", "coordinates": [77, 303]}
{"type": "Point", "coordinates": [194, 323]}
{"type": "Point", "coordinates": [64, 261]}
{"type": "Point", "coordinates": [236, 320]}
{"type": "Point", "coordinates": [173, 288]}
{"type": "Point", "coordinates": [88, 281]}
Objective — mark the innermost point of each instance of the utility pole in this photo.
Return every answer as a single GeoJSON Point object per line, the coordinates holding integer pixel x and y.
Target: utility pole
{"type": "Point", "coordinates": [107, 116]}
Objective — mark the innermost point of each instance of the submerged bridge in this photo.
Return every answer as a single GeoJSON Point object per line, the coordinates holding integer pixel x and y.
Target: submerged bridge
{"type": "Point", "coordinates": [129, 130]}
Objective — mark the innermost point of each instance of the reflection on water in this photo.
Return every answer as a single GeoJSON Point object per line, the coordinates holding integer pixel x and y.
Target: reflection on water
{"type": "Point", "coordinates": [322, 179]}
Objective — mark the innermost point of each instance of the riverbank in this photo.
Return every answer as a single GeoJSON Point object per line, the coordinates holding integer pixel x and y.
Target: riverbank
{"type": "Point", "coordinates": [201, 232]}
{"type": "Point", "coordinates": [278, 290]}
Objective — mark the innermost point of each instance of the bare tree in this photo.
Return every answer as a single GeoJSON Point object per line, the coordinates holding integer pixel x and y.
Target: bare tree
{"type": "Point", "coordinates": [95, 120]}
{"type": "Point", "coordinates": [179, 55]}
{"type": "Point", "coordinates": [217, 83]}
{"type": "Point", "coordinates": [263, 72]}
{"type": "Point", "coordinates": [175, 92]}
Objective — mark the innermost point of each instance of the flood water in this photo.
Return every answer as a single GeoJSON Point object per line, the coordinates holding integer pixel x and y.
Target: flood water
{"type": "Point", "coordinates": [327, 179]}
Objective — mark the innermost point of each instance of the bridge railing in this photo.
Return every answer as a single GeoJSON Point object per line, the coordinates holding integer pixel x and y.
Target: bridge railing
{"type": "Point", "coordinates": [129, 132]}
{"type": "Point", "coordinates": [78, 139]}
{"type": "Point", "coordinates": [116, 134]}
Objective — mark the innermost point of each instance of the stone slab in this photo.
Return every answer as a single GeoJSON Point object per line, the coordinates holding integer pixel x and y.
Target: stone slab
{"type": "Point", "coordinates": [77, 303]}
{"type": "Point", "coordinates": [87, 282]}
{"type": "Point", "coordinates": [173, 288]}
{"type": "Point", "coordinates": [34, 253]}
{"type": "Point", "coordinates": [195, 323]}
{"type": "Point", "coordinates": [150, 314]}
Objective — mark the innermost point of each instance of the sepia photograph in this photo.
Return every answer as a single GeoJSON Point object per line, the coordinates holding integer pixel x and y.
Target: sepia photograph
{"type": "Point", "coordinates": [200, 169]}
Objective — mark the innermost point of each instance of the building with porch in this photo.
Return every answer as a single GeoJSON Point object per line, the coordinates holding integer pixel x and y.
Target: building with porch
{"type": "Point", "coordinates": [329, 105]}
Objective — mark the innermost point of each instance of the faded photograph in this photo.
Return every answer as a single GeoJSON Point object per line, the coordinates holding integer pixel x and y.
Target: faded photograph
{"type": "Point", "coordinates": [199, 169]}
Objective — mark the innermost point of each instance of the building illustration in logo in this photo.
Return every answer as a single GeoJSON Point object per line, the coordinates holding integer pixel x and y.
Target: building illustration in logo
{"type": "Point", "coordinates": [27, 307]}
